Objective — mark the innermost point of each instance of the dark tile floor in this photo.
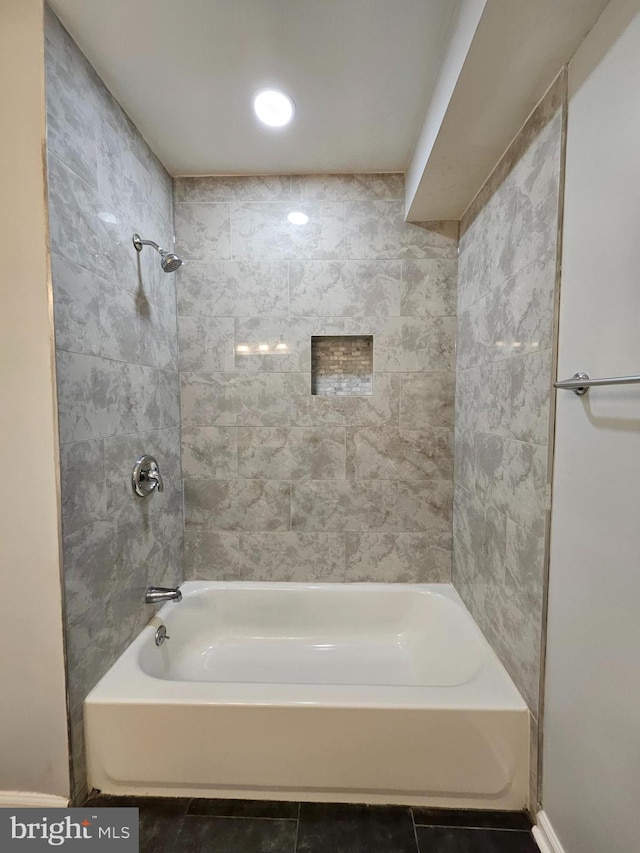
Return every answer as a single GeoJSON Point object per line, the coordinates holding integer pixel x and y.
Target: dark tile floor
{"type": "Point", "coordinates": [251, 826]}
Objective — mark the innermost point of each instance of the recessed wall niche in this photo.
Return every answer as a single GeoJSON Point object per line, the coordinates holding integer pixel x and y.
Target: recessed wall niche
{"type": "Point", "coordinates": [342, 366]}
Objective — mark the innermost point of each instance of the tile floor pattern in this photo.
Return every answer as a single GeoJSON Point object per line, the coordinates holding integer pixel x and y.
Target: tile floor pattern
{"type": "Point", "coordinates": [248, 826]}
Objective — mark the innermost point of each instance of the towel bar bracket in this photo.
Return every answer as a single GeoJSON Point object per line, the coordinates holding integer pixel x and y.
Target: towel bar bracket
{"type": "Point", "coordinates": [578, 390]}
{"type": "Point", "coordinates": [580, 382]}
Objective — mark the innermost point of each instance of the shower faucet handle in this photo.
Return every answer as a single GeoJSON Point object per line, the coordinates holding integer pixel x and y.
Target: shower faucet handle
{"type": "Point", "coordinates": [146, 477]}
{"type": "Point", "coordinates": [154, 476]}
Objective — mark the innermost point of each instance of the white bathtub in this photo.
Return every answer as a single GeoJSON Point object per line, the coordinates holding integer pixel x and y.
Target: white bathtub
{"type": "Point", "coordinates": [345, 693]}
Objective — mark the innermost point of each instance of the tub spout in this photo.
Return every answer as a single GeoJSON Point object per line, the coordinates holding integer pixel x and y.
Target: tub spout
{"type": "Point", "coordinates": [157, 594]}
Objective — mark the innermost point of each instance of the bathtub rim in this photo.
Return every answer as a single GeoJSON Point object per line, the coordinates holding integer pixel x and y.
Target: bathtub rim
{"type": "Point", "coordinates": [126, 683]}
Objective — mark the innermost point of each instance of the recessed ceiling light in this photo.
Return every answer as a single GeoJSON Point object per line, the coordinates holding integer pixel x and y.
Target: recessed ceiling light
{"type": "Point", "coordinates": [297, 217]}
{"type": "Point", "coordinates": [273, 107]}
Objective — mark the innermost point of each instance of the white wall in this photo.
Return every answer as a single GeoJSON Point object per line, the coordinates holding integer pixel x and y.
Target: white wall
{"type": "Point", "coordinates": [33, 735]}
{"type": "Point", "coordinates": [591, 771]}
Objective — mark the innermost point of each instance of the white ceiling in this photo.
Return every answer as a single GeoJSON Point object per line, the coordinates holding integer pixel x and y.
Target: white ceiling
{"type": "Point", "coordinates": [361, 73]}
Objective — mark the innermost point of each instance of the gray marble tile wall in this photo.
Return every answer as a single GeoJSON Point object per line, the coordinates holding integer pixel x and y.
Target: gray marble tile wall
{"type": "Point", "coordinates": [280, 484]}
{"type": "Point", "coordinates": [116, 353]}
{"type": "Point", "coordinates": [507, 294]}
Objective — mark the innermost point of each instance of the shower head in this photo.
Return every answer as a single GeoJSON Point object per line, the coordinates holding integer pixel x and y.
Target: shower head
{"type": "Point", "coordinates": [170, 262]}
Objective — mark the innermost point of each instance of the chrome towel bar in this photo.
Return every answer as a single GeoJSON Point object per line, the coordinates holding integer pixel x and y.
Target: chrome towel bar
{"type": "Point", "coordinates": [580, 382]}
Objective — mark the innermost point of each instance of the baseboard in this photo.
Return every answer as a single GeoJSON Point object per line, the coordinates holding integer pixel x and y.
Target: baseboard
{"type": "Point", "coordinates": [545, 836]}
{"type": "Point", "coordinates": [31, 800]}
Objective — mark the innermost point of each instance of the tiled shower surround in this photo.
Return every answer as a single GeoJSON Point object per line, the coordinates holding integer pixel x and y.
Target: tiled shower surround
{"type": "Point", "coordinates": [280, 484]}
{"type": "Point", "coordinates": [507, 294]}
{"type": "Point", "coordinates": [116, 353]}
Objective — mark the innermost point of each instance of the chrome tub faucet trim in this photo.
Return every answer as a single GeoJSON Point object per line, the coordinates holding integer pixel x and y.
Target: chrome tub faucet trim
{"type": "Point", "coordinates": [157, 594]}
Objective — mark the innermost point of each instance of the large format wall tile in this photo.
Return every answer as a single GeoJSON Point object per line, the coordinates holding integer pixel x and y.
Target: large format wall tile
{"type": "Point", "coordinates": [87, 396]}
{"type": "Point", "coordinates": [237, 504]}
{"type": "Point", "coordinates": [279, 344]}
{"type": "Point", "coordinates": [95, 639]}
{"type": "Point", "coordinates": [234, 399]}
{"type": "Point", "coordinates": [206, 343]}
{"type": "Point", "coordinates": [429, 288]}
{"type": "Point", "coordinates": [90, 566]}
{"type": "Point", "coordinates": [262, 231]}
{"type": "Point", "coordinates": [524, 555]}
{"type": "Point", "coordinates": [472, 399]}
{"type": "Point", "coordinates": [73, 104]}
{"type": "Point", "coordinates": [408, 344]}
{"type": "Point", "coordinates": [210, 453]}
{"type": "Point", "coordinates": [292, 453]}
{"type": "Point", "coordinates": [293, 556]}
{"type": "Point", "coordinates": [83, 483]}
{"type": "Point", "coordinates": [395, 558]}
{"type": "Point", "coordinates": [345, 288]}
{"type": "Point", "coordinates": [529, 392]}
{"type": "Point", "coordinates": [76, 307]}
{"type": "Point", "coordinates": [486, 246]}
{"type": "Point", "coordinates": [512, 476]}
{"type": "Point", "coordinates": [537, 183]}
{"type": "Point", "coordinates": [378, 409]}
{"type": "Point", "coordinates": [515, 318]}
{"type": "Point", "coordinates": [377, 229]}
{"type": "Point", "coordinates": [233, 289]}
{"type": "Point", "coordinates": [362, 187]}
{"type": "Point", "coordinates": [120, 180]}
{"type": "Point", "coordinates": [77, 233]}
{"type": "Point", "coordinates": [516, 397]}
{"type": "Point", "coordinates": [465, 458]}
{"type": "Point", "coordinates": [427, 399]}
{"type": "Point", "coordinates": [136, 330]}
{"type": "Point", "coordinates": [340, 505]}
{"type": "Point", "coordinates": [233, 188]}
{"type": "Point", "coordinates": [347, 187]}
{"type": "Point", "coordinates": [203, 231]}
{"type": "Point", "coordinates": [507, 289]}
{"type": "Point", "coordinates": [212, 554]}
{"type": "Point", "coordinates": [389, 453]}
{"type": "Point", "coordinates": [426, 506]}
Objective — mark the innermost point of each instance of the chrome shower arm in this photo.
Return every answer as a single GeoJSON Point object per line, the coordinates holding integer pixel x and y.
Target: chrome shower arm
{"type": "Point", "coordinates": [169, 260]}
{"type": "Point", "coordinates": [138, 242]}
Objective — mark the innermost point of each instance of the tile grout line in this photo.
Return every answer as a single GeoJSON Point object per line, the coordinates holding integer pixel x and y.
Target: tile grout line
{"type": "Point", "coordinates": [178, 831]}
{"type": "Point", "coordinates": [512, 357]}
{"type": "Point", "coordinates": [471, 828]}
{"type": "Point", "coordinates": [240, 817]}
{"type": "Point", "coordinates": [511, 276]}
{"type": "Point", "coordinates": [295, 845]}
{"type": "Point", "coordinates": [415, 831]}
